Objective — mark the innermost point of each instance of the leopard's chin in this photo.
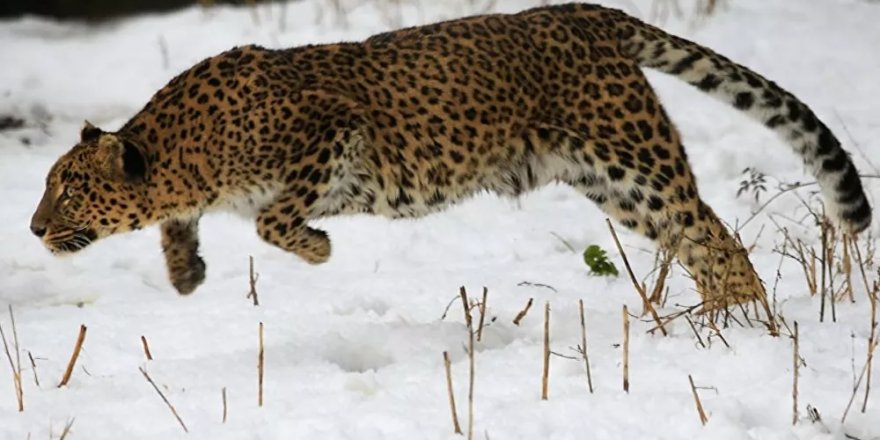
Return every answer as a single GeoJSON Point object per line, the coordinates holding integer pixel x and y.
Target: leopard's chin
{"type": "Point", "coordinates": [68, 243]}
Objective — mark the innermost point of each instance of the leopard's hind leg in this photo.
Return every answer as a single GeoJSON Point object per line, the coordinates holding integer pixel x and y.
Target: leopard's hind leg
{"type": "Point", "coordinates": [650, 189]}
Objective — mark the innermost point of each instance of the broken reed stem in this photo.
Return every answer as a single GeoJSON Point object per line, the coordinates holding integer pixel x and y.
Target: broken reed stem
{"type": "Point", "coordinates": [700, 411]}
{"type": "Point", "coordinates": [462, 293]}
{"type": "Point", "coordinates": [146, 348]}
{"type": "Point", "coordinates": [260, 363]}
{"type": "Point", "coordinates": [223, 393]}
{"type": "Point", "coordinates": [456, 427]}
{"type": "Point", "coordinates": [696, 333]}
{"type": "Point", "coordinates": [66, 430]}
{"type": "Point", "coordinates": [584, 346]}
{"type": "Point", "coordinates": [872, 293]}
{"type": "Point", "coordinates": [794, 387]}
{"type": "Point", "coordinates": [522, 313]}
{"type": "Point", "coordinates": [824, 262]}
{"type": "Point", "coordinates": [16, 375]}
{"type": "Point", "coordinates": [471, 378]}
{"type": "Point", "coordinates": [80, 339]}
{"type": "Point", "coordinates": [164, 399]}
{"type": "Point", "coordinates": [625, 349]}
{"type": "Point", "coordinates": [482, 314]}
{"type": "Point", "coordinates": [635, 282]}
{"type": "Point", "coordinates": [34, 369]}
{"type": "Point", "coordinates": [252, 281]}
{"type": "Point", "coordinates": [545, 377]}
{"type": "Point", "coordinates": [717, 331]}
{"type": "Point", "coordinates": [17, 353]}
{"type": "Point", "coordinates": [872, 343]}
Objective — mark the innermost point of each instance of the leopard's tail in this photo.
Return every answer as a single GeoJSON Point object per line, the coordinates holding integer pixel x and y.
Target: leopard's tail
{"type": "Point", "coordinates": [764, 101]}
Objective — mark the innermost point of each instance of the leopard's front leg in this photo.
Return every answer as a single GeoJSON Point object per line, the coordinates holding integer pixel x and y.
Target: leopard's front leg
{"type": "Point", "coordinates": [283, 224]}
{"type": "Point", "coordinates": [180, 243]}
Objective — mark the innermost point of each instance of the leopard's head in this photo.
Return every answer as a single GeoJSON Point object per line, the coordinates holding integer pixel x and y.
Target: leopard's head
{"type": "Point", "coordinates": [96, 189]}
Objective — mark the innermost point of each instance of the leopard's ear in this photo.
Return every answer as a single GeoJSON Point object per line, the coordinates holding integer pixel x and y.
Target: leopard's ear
{"type": "Point", "coordinates": [119, 159]}
{"type": "Point", "coordinates": [89, 132]}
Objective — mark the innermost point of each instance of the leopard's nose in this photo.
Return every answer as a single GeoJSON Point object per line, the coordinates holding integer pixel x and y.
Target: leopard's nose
{"type": "Point", "coordinates": [38, 230]}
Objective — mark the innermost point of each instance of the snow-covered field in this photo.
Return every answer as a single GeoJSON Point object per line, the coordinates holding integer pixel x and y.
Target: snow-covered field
{"type": "Point", "coordinates": [353, 347]}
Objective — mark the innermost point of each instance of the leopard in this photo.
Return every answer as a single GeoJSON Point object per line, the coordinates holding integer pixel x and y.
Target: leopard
{"type": "Point", "coordinates": [408, 122]}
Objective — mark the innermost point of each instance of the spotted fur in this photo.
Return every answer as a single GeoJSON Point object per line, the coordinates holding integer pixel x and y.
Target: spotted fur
{"type": "Point", "coordinates": [408, 122]}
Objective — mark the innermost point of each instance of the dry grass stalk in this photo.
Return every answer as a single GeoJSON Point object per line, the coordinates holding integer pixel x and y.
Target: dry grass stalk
{"type": "Point", "coordinates": [252, 281]}
{"type": "Point", "coordinates": [66, 430]}
{"type": "Point", "coordinates": [625, 349]}
{"type": "Point", "coordinates": [164, 399]}
{"type": "Point", "coordinates": [794, 386]}
{"type": "Point", "coordinates": [522, 313]}
{"type": "Point", "coordinates": [635, 282]}
{"type": "Point", "coordinates": [872, 292]}
{"type": "Point", "coordinates": [260, 368]}
{"type": "Point", "coordinates": [665, 265]}
{"type": "Point", "coordinates": [846, 268]}
{"type": "Point", "coordinates": [470, 327]}
{"type": "Point", "coordinates": [223, 393]}
{"type": "Point", "coordinates": [15, 367]}
{"type": "Point", "coordinates": [34, 369]}
{"type": "Point", "coordinates": [872, 342]}
{"type": "Point", "coordinates": [80, 339]}
{"type": "Point", "coordinates": [545, 376]}
{"type": "Point", "coordinates": [717, 331]}
{"type": "Point", "coordinates": [696, 333]}
{"type": "Point", "coordinates": [700, 411]}
{"type": "Point", "coordinates": [146, 347]}
{"type": "Point", "coordinates": [447, 365]}
{"type": "Point", "coordinates": [584, 346]}
{"type": "Point", "coordinates": [482, 314]}
{"type": "Point", "coordinates": [468, 321]}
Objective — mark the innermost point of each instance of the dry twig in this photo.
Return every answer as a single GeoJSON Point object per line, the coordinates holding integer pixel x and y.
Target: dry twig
{"type": "Point", "coordinates": [448, 367]}
{"type": "Point", "coordinates": [164, 399]}
{"type": "Point", "coordinates": [252, 281]}
{"type": "Point", "coordinates": [146, 347]}
{"type": "Point", "coordinates": [625, 349]}
{"type": "Point", "coordinates": [584, 346]}
{"type": "Point", "coordinates": [635, 282]}
{"type": "Point", "coordinates": [703, 418]}
{"type": "Point", "coordinates": [522, 313]}
{"type": "Point", "coordinates": [80, 339]}
{"type": "Point", "coordinates": [545, 377]}
{"type": "Point", "coordinates": [260, 369]}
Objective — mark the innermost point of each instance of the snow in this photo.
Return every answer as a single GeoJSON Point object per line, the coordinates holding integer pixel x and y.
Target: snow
{"type": "Point", "coordinates": [353, 347]}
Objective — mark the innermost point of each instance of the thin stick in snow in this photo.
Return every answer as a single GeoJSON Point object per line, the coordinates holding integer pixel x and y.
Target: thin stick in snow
{"type": "Point", "coordinates": [470, 327]}
{"type": "Point", "coordinates": [703, 418]}
{"type": "Point", "coordinates": [34, 369]}
{"type": "Point", "coordinates": [545, 377]}
{"type": "Point", "coordinates": [872, 293]}
{"type": "Point", "coordinates": [482, 314]}
{"type": "Point", "coordinates": [80, 339]}
{"type": "Point", "coordinates": [223, 393]}
{"type": "Point", "coordinates": [635, 282]}
{"type": "Point", "coordinates": [146, 348]}
{"type": "Point", "coordinates": [696, 333]}
{"type": "Point", "coordinates": [164, 399]}
{"type": "Point", "coordinates": [66, 430]}
{"type": "Point", "coordinates": [448, 366]}
{"type": "Point", "coordinates": [794, 386]}
{"type": "Point", "coordinates": [16, 370]}
{"type": "Point", "coordinates": [522, 313]}
{"type": "Point", "coordinates": [252, 281]}
{"type": "Point", "coordinates": [260, 363]}
{"type": "Point", "coordinates": [584, 346]}
{"type": "Point", "coordinates": [625, 349]}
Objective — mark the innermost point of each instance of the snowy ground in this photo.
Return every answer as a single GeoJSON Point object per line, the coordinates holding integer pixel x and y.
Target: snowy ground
{"type": "Point", "coordinates": [353, 348]}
